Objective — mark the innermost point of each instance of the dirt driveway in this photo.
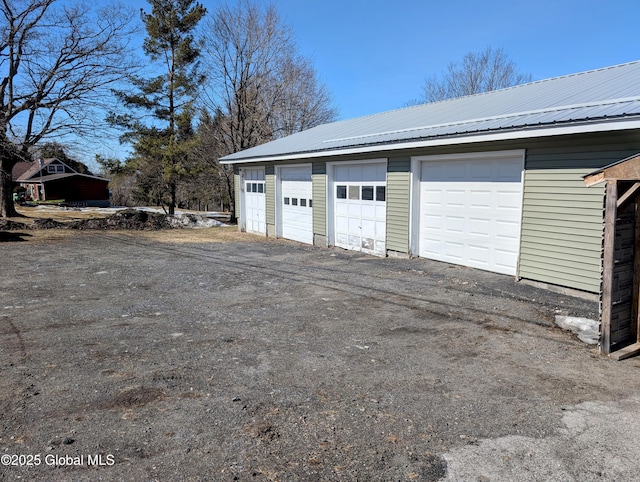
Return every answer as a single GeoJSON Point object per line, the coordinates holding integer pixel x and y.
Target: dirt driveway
{"type": "Point", "coordinates": [220, 356]}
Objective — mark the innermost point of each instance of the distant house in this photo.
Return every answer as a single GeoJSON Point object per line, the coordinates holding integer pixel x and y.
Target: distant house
{"type": "Point", "coordinates": [52, 179]}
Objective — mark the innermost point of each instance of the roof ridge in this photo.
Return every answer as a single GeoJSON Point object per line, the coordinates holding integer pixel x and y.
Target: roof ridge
{"type": "Point", "coordinates": [493, 117]}
{"type": "Point", "coordinates": [491, 92]}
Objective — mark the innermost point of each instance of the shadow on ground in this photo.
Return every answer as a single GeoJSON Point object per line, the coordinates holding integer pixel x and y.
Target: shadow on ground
{"type": "Point", "coordinates": [7, 237]}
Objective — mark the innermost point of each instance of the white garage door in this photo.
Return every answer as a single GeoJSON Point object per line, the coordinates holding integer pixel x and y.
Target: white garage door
{"type": "Point", "coordinates": [254, 201]}
{"type": "Point", "coordinates": [360, 207]}
{"type": "Point", "coordinates": [297, 205]}
{"type": "Point", "coordinates": [470, 212]}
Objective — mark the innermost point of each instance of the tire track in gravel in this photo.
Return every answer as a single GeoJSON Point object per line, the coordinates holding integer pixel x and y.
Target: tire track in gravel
{"type": "Point", "coordinates": [436, 307]}
{"type": "Point", "coordinates": [14, 332]}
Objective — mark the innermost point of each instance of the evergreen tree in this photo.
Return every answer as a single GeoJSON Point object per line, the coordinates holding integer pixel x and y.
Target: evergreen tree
{"type": "Point", "coordinates": [161, 147]}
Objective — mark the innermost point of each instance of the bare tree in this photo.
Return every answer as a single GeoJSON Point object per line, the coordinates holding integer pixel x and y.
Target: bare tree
{"type": "Point", "coordinates": [302, 102]}
{"type": "Point", "coordinates": [57, 63]}
{"type": "Point", "coordinates": [260, 88]}
{"type": "Point", "coordinates": [479, 72]}
{"type": "Point", "coordinates": [209, 149]}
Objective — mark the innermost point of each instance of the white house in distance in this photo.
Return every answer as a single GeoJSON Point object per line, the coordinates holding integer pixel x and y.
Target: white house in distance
{"type": "Point", "coordinates": [492, 181]}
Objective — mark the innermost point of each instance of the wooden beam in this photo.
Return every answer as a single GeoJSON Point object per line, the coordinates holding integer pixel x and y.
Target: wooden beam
{"type": "Point", "coordinates": [608, 264]}
{"type": "Point", "coordinates": [625, 170]}
{"type": "Point", "coordinates": [635, 307]}
{"type": "Point", "coordinates": [628, 194]}
{"type": "Point", "coordinates": [626, 352]}
{"type": "Point", "coordinates": [594, 179]}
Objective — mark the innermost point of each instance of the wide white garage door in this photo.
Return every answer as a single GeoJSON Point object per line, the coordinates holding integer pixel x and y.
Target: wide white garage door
{"type": "Point", "coordinates": [470, 212]}
{"type": "Point", "coordinates": [297, 203]}
{"type": "Point", "coordinates": [359, 192]}
{"type": "Point", "coordinates": [254, 201]}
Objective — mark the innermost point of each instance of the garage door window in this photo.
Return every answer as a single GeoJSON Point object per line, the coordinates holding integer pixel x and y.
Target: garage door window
{"type": "Point", "coordinates": [341, 192]}
{"type": "Point", "coordinates": [381, 193]}
{"type": "Point", "coordinates": [255, 187]}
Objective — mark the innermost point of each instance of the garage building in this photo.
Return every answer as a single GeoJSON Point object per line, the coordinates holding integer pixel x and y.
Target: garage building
{"type": "Point", "coordinates": [492, 181]}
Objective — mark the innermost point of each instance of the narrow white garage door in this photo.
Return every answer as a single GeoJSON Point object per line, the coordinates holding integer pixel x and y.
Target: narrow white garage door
{"type": "Point", "coordinates": [254, 201]}
{"type": "Point", "coordinates": [297, 204]}
{"type": "Point", "coordinates": [360, 207]}
{"type": "Point", "coordinates": [470, 212]}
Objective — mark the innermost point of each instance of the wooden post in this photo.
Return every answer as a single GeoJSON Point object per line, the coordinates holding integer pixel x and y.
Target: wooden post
{"type": "Point", "coordinates": [635, 319]}
{"type": "Point", "coordinates": [610, 213]}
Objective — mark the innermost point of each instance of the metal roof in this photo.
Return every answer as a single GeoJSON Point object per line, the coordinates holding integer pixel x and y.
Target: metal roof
{"type": "Point", "coordinates": [610, 94]}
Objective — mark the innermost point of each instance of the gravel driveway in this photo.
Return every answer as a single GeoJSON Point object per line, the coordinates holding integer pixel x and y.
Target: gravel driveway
{"type": "Point", "coordinates": [137, 356]}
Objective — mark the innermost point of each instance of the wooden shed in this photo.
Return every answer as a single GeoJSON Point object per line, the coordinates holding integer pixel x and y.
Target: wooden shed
{"type": "Point", "coordinates": [619, 293]}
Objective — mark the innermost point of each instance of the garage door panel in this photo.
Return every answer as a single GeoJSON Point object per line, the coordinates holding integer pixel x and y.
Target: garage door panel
{"type": "Point", "coordinates": [454, 251]}
{"type": "Point", "coordinates": [509, 230]}
{"type": "Point", "coordinates": [297, 213]}
{"type": "Point", "coordinates": [354, 225]}
{"type": "Point", "coordinates": [354, 209]}
{"type": "Point", "coordinates": [479, 254]}
{"type": "Point", "coordinates": [479, 227]}
{"type": "Point", "coordinates": [474, 207]}
{"type": "Point", "coordinates": [432, 197]}
{"type": "Point", "coordinates": [368, 211]}
{"type": "Point", "coordinates": [455, 198]}
{"type": "Point", "coordinates": [254, 201]}
{"type": "Point", "coordinates": [368, 228]}
{"type": "Point", "coordinates": [342, 223]}
{"type": "Point", "coordinates": [359, 196]}
{"type": "Point", "coordinates": [509, 200]}
{"type": "Point", "coordinates": [480, 199]}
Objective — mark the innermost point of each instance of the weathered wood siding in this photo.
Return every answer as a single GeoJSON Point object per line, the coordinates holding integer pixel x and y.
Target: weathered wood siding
{"type": "Point", "coordinates": [562, 226]}
{"type": "Point", "coordinates": [270, 194]}
{"type": "Point", "coordinates": [319, 193]}
{"type": "Point", "coordinates": [398, 204]}
{"type": "Point", "coordinates": [622, 277]}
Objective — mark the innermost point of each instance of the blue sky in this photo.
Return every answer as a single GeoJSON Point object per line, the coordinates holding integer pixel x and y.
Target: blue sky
{"type": "Point", "coordinates": [374, 55]}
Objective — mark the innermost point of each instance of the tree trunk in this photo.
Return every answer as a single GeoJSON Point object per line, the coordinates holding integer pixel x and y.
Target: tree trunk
{"type": "Point", "coordinates": [232, 207]}
{"type": "Point", "coordinates": [7, 208]}
{"type": "Point", "coordinates": [172, 202]}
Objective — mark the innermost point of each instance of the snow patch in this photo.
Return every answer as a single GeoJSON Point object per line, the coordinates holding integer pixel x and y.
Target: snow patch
{"type": "Point", "coordinates": [587, 330]}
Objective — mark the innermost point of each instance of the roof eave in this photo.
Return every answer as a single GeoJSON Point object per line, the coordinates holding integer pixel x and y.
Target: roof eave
{"type": "Point", "coordinates": [525, 132]}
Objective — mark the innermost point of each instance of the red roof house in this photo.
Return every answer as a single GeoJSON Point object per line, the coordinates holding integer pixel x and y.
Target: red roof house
{"type": "Point", "coordinates": [52, 179]}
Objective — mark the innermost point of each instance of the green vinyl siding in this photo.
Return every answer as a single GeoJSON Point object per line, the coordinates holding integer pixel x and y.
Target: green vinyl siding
{"type": "Point", "coordinates": [562, 223]}
{"type": "Point", "coordinates": [319, 193]}
{"type": "Point", "coordinates": [270, 194]}
{"type": "Point", "coordinates": [561, 238]}
{"type": "Point", "coordinates": [398, 204]}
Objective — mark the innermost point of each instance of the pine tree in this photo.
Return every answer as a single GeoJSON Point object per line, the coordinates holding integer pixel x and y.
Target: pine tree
{"type": "Point", "coordinates": [161, 147]}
